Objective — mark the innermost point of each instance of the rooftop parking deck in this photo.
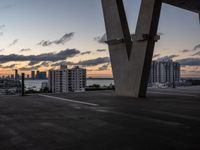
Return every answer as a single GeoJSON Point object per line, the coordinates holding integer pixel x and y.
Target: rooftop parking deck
{"type": "Point", "coordinates": [166, 119]}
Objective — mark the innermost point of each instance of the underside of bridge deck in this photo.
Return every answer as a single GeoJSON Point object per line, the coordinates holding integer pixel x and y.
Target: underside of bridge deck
{"type": "Point", "coordinates": [192, 5]}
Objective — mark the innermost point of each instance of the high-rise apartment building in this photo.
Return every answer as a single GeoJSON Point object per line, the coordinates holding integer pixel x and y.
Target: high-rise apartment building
{"type": "Point", "coordinates": [67, 80]}
{"type": "Point", "coordinates": [37, 74]}
{"type": "Point", "coordinates": [32, 75]}
{"type": "Point", "coordinates": [58, 81]}
{"type": "Point", "coordinates": [41, 75]}
{"type": "Point", "coordinates": [12, 76]}
{"type": "Point", "coordinates": [77, 79]}
{"type": "Point", "coordinates": [164, 71]}
{"type": "Point", "coordinates": [16, 74]}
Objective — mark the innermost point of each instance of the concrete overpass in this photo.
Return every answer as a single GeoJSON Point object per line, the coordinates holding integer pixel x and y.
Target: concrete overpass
{"type": "Point", "coordinates": [131, 58]}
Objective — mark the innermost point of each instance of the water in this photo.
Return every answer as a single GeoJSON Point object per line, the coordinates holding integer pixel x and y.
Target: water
{"type": "Point", "coordinates": [36, 84]}
{"type": "Point", "coordinates": [100, 82]}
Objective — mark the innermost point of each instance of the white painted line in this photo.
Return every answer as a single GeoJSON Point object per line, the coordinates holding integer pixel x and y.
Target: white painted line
{"type": "Point", "coordinates": [177, 94]}
{"type": "Point", "coordinates": [69, 100]}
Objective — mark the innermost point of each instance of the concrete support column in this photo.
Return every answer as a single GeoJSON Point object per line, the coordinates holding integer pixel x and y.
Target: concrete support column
{"type": "Point", "coordinates": [23, 86]}
{"type": "Point", "coordinates": [143, 47]}
{"type": "Point", "coordinates": [131, 61]}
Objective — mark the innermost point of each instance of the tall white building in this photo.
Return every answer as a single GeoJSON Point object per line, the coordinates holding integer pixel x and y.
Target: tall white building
{"type": "Point", "coordinates": [77, 79]}
{"type": "Point", "coordinates": [164, 71]}
{"type": "Point", "coordinates": [67, 80]}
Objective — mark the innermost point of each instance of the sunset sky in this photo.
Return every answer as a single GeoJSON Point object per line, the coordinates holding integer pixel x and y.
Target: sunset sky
{"type": "Point", "coordinates": [42, 34]}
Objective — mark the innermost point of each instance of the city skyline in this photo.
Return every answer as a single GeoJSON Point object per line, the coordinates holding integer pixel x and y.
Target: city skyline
{"type": "Point", "coordinates": [74, 30]}
{"type": "Point", "coordinates": [33, 75]}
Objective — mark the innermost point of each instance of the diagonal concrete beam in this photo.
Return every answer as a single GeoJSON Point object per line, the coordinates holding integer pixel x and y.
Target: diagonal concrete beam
{"type": "Point", "coordinates": [119, 54]}
{"type": "Point", "coordinates": [131, 67]}
{"type": "Point", "coordinates": [199, 18]}
{"type": "Point", "coordinates": [143, 47]}
{"type": "Point", "coordinates": [120, 33]}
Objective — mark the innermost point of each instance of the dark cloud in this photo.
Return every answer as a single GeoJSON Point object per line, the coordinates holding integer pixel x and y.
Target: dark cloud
{"type": "Point", "coordinates": [25, 50]}
{"type": "Point", "coordinates": [86, 53]}
{"type": "Point", "coordinates": [29, 68]}
{"type": "Point", "coordinates": [43, 64]}
{"type": "Point", "coordinates": [8, 67]}
{"type": "Point", "coordinates": [165, 58]}
{"type": "Point", "coordinates": [13, 43]}
{"type": "Point", "coordinates": [62, 63]}
{"type": "Point", "coordinates": [196, 54]}
{"type": "Point", "coordinates": [86, 63]}
{"type": "Point", "coordinates": [62, 40]}
{"type": "Point", "coordinates": [197, 47]}
{"type": "Point", "coordinates": [62, 55]}
{"type": "Point", "coordinates": [156, 55]}
{"type": "Point", "coordinates": [94, 62]}
{"type": "Point", "coordinates": [104, 67]}
{"type": "Point", "coordinates": [59, 63]}
{"type": "Point", "coordinates": [185, 51]}
{"type": "Point", "coordinates": [32, 63]}
{"type": "Point", "coordinates": [173, 56]}
{"type": "Point", "coordinates": [189, 61]}
{"type": "Point", "coordinates": [101, 39]}
{"type": "Point", "coordinates": [191, 50]}
{"type": "Point", "coordinates": [44, 43]}
{"type": "Point", "coordinates": [101, 50]}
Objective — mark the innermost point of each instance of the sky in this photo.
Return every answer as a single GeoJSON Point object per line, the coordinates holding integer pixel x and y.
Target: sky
{"type": "Point", "coordinates": [42, 34]}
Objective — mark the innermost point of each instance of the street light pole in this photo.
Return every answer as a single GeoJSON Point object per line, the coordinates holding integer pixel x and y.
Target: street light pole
{"type": "Point", "coordinates": [23, 93]}
{"type": "Point", "coordinates": [173, 77]}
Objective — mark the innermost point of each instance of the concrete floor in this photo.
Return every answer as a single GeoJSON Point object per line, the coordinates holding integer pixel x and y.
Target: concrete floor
{"type": "Point", "coordinates": [168, 119]}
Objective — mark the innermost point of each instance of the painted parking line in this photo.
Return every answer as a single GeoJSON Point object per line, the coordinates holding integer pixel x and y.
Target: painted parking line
{"type": "Point", "coordinates": [176, 94]}
{"type": "Point", "coordinates": [69, 100]}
